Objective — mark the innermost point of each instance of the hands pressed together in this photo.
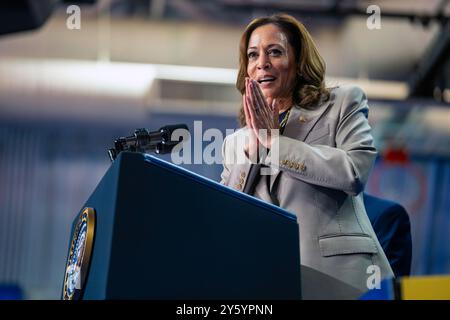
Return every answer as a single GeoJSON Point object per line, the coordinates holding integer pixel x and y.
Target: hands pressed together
{"type": "Point", "coordinates": [261, 116]}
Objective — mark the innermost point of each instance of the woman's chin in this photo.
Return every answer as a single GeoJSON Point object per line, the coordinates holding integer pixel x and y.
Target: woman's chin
{"type": "Point", "coordinates": [269, 93]}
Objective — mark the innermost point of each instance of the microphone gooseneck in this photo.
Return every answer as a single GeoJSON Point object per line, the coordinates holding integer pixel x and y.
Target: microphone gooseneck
{"type": "Point", "coordinates": [142, 140]}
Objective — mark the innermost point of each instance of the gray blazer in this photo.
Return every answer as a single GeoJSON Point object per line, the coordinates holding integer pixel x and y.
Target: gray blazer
{"type": "Point", "coordinates": [325, 157]}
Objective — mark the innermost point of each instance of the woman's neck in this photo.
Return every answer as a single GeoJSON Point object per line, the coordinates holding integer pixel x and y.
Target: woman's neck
{"type": "Point", "coordinates": [284, 104]}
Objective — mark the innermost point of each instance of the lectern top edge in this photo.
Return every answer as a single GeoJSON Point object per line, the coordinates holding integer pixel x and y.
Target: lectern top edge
{"type": "Point", "coordinates": [211, 183]}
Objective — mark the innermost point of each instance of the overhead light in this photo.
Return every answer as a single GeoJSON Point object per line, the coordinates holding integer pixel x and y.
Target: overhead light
{"type": "Point", "coordinates": [376, 89]}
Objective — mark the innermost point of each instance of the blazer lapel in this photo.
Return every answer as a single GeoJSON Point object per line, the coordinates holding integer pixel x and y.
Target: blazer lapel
{"type": "Point", "coordinates": [299, 125]}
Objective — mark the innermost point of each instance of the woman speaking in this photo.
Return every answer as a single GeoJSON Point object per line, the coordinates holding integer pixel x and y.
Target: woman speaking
{"type": "Point", "coordinates": [318, 146]}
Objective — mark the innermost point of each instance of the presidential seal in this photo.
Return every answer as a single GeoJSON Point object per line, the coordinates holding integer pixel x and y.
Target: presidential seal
{"type": "Point", "coordinates": [79, 255]}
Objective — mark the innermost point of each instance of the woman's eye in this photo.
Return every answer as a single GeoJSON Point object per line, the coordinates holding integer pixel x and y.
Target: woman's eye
{"type": "Point", "coordinates": [275, 52]}
{"type": "Point", "coordinates": [251, 55]}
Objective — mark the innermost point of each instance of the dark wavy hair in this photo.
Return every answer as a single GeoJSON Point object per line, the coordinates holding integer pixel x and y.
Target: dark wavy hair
{"type": "Point", "coordinates": [309, 86]}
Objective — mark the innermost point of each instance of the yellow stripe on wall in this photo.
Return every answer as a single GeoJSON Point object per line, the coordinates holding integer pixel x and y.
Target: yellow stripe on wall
{"type": "Point", "coordinates": [425, 288]}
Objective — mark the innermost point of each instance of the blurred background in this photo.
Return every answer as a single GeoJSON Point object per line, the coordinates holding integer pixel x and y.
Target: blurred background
{"type": "Point", "coordinates": [69, 87]}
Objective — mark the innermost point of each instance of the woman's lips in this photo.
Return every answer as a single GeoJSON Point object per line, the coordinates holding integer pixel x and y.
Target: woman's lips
{"type": "Point", "coordinates": [266, 84]}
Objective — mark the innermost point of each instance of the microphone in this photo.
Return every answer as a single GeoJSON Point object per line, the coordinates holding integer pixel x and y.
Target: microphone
{"type": "Point", "coordinates": [145, 141]}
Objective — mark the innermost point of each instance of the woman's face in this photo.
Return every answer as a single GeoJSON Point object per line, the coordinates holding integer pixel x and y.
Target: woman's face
{"type": "Point", "coordinates": [271, 61]}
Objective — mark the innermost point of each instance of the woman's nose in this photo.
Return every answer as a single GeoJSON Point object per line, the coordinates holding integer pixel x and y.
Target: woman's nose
{"type": "Point", "coordinates": [263, 62]}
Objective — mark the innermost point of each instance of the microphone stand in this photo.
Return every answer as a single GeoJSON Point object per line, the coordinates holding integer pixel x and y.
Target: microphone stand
{"type": "Point", "coordinates": [145, 141]}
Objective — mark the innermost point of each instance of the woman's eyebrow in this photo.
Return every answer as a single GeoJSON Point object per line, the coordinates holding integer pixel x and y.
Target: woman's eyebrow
{"type": "Point", "coordinates": [269, 46]}
{"type": "Point", "coordinates": [274, 45]}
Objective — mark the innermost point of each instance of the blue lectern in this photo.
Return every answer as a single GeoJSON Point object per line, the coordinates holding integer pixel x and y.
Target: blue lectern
{"type": "Point", "coordinates": [152, 230]}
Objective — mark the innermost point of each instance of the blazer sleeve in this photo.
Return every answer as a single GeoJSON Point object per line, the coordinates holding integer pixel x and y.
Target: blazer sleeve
{"type": "Point", "coordinates": [345, 167]}
{"type": "Point", "coordinates": [225, 175]}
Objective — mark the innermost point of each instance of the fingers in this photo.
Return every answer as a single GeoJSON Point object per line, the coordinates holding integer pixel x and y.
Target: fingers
{"type": "Point", "coordinates": [264, 107]}
{"type": "Point", "coordinates": [252, 100]}
{"type": "Point", "coordinates": [257, 105]}
{"type": "Point", "coordinates": [260, 113]}
{"type": "Point", "coordinates": [249, 104]}
{"type": "Point", "coordinates": [275, 111]}
{"type": "Point", "coordinates": [250, 112]}
{"type": "Point", "coordinates": [268, 116]}
{"type": "Point", "coordinates": [244, 106]}
{"type": "Point", "coordinates": [265, 121]}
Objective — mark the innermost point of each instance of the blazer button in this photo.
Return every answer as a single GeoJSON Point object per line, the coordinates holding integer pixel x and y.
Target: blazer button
{"type": "Point", "coordinates": [302, 119]}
